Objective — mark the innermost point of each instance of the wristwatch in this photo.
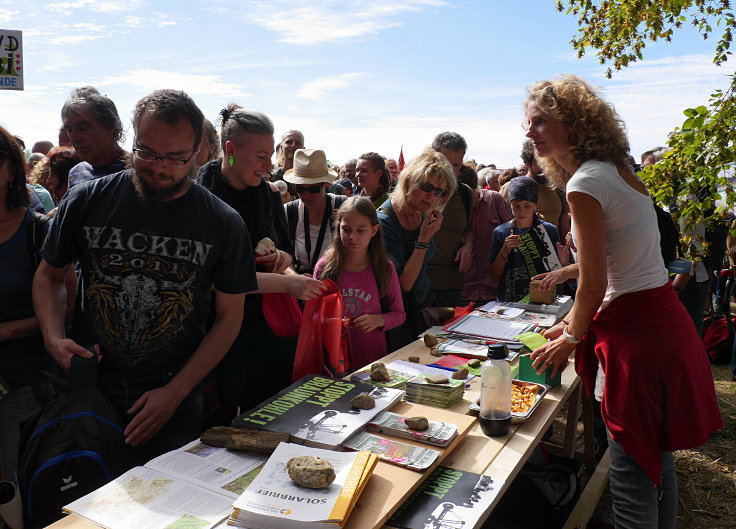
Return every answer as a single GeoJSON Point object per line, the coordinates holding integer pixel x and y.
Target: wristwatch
{"type": "Point", "coordinates": [569, 338]}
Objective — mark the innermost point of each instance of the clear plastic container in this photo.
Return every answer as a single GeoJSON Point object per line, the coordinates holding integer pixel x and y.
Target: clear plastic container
{"type": "Point", "coordinates": [495, 392]}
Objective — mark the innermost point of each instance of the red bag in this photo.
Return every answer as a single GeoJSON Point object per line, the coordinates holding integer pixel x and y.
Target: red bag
{"type": "Point", "coordinates": [718, 338]}
{"type": "Point", "coordinates": [324, 339]}
{"type": "Point", "coordinates": [460, 311]}
{"type": "Point", "coordinates": [282, 313]}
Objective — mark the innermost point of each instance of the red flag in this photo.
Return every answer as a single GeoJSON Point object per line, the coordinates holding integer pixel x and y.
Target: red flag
{"type": "Point", "coordinates": [401, 159]}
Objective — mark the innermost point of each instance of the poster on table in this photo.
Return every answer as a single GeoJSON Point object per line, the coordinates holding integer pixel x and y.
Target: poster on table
{"type": "Point", "coordinates": [11, 59]}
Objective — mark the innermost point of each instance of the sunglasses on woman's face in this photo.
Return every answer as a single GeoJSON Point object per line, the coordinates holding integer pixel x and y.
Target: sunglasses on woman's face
{"type": "Point", "coordinates": [429, 188]}
{"type": "Point", "coordinates": [312, 190]}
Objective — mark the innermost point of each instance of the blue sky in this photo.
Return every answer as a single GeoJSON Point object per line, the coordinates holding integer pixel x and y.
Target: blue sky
{"type": "Point", "coordinates": [354, 76]}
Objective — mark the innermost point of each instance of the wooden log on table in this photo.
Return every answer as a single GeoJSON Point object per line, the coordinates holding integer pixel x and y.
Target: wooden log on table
{"type": "Point", "coordinates": [260, 441]}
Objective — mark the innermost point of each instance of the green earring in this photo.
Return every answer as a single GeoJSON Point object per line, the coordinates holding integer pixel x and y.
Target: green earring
{"type": "Point", "coordinates": [231, 160]}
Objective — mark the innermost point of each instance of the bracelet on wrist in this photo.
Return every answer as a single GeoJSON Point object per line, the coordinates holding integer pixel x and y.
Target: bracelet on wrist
{"type": "Point", "coordinates": [569, 338]}
{"type": "Point", "coordinates": [421, 245]}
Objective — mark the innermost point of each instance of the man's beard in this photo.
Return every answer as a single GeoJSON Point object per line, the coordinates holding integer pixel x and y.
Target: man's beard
{"type": "Point", "coordinates": [152, 197]}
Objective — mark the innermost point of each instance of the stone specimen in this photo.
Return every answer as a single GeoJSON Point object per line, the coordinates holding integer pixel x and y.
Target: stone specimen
{"type": "Point", "coordinates": [379, 373]}
{"type": "Point", "coordinates": [437, 379]}
{"type": "Point", "coordinates": [311, 471]}
{"type": "Point", "coordinates": [363, 402]}
{"type": "Point", "coordinates": [460, 374]}
{"type": "Point", "coordinates": [417, 423]}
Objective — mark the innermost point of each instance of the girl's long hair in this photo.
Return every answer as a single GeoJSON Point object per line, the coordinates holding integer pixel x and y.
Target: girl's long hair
{"type": "Point", "coordinates": [335, 256]}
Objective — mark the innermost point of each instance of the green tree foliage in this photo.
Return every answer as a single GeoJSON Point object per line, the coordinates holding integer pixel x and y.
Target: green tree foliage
{"type": "Point", "coordinates": [702, 149]}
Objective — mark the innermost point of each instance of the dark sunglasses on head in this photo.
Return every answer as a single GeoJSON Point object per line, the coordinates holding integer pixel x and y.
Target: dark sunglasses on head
{"type": "Point", "coordinates": [312, 190]}
{"type": "Point", "coordinates": [429, 188]}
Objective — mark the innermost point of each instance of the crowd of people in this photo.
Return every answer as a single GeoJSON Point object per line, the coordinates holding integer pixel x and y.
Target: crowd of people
{"type": "Point", "coordinates": [167, 263]}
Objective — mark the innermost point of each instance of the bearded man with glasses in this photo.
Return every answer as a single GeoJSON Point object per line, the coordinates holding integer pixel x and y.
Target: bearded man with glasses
{"type": "Point", "coordinates": [154, 250]}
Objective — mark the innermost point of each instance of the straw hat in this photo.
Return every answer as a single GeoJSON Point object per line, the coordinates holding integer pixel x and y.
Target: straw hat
{"type": "Point", "coordinates": [310, 167]}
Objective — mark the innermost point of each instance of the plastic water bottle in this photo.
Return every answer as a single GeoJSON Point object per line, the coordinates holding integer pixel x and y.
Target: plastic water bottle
{"type": "Point", "coordinates": [495, 392]}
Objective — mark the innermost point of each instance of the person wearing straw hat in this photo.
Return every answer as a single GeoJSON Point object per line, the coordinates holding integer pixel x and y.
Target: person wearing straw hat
{"type": "Point", "coordinates": [310, 216]}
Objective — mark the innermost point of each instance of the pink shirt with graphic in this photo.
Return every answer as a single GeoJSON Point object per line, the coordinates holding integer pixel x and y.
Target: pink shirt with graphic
{"type": "Point", "coordinates": [360, 296]}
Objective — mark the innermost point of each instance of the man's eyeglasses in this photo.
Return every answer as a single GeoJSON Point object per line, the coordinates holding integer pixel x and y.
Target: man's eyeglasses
{"type": "Point", "coordinates": [166, 161]}
{"type": "Point", "coordinates": [312, 190]}
{"type": "Point", "coordinates": [429, 188]}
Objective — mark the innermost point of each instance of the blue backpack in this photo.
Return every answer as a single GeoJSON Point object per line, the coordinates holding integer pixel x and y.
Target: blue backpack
{"type": "Point", "coordinates": [73, 445]}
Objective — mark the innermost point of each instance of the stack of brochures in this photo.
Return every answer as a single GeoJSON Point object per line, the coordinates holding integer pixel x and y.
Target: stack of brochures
{"type": "Point", "coordinates": [438, 433]}
{"type": "Point", "coordinates": [421, 391]}
{"type": "Point", "coordinates": [399, 372]}
{"type": "Point", "coordinates": [396, 452]}
{"type": "Point", "coordinates": [274, 501]}
{"type": "Point", "coordinates": [193, 486]}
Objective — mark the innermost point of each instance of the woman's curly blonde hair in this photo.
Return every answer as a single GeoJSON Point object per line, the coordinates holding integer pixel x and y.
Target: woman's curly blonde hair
{"type": "Point", "coordinates": [596, 131]}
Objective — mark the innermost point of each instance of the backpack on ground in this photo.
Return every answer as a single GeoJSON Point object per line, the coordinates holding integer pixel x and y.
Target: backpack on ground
{"type": "Point", "coordinates": [551, 485]}
{"type": "Point", "coordinates": [73, 445]}
{"type": "Point", "coordinates": [718, 336]}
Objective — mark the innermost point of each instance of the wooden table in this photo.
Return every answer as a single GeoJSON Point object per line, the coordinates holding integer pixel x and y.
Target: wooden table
{"type": "Point", "coordinates": [500, 458]}
{"type": "Point", "coordinates": [503, 457]}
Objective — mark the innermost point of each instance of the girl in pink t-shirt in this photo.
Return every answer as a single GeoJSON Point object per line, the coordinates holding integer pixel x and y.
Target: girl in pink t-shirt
{"type": "Point", "coordinates": [357, 262]}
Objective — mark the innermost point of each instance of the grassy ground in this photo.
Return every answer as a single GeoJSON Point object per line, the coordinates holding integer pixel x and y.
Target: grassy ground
{"type": "Point", "coordinates": [706, 475]}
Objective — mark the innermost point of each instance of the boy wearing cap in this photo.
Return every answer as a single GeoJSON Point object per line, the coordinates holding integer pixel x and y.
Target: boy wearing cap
{"type": "Point", "coordinates": [523, 247]}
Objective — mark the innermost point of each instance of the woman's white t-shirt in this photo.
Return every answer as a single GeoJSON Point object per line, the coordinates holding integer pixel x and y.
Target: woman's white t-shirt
{"type": "Point", "coordinates": [633, 255]}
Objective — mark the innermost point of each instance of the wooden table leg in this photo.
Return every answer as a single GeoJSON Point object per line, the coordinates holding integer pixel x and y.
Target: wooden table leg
{"type": "Point", "coordinates": [588, 434]}
{"type": "Point", "coordinates": [571, 429]}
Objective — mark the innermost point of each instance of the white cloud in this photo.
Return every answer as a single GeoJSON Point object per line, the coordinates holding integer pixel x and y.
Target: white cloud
{"type": "Point", "coordinates": [54, 60]}
{"type": "Point", "coordinates": [149, 80]}
{"type": "Point", "coordinates": [302, 22]}
{"type": "Point", "coordinates": [650, 96]}
{"type": "Point", "coordinates": [86, 26]}
{"type": "Point", "coordinates": [317, 89]}
{"type": "Point", "coordinates": [111, 6]}
{"type": "Point", "coordinates": [8, 16]}
{"type": "Point", "coordinates": [66, 40]}
{"type": "Point", "coordinates": [134, 22]}
{"type": "Point", "coordinates": [163, 19]}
